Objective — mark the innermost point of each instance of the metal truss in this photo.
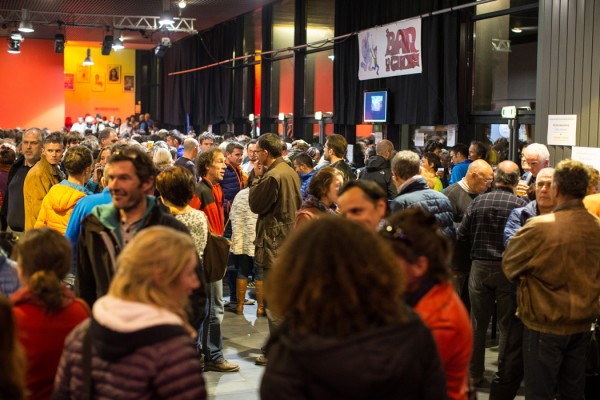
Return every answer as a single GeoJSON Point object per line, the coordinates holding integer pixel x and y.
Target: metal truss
{"type": "Point", "coordinates": [101, 21]}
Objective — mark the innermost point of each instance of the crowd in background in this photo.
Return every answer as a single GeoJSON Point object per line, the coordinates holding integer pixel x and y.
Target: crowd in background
{"type": "Point", "coordinates": [378, 273]}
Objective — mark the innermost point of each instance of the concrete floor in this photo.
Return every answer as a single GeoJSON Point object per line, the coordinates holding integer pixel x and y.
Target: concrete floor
{"type": "Point", "coordinates": [244, 335]}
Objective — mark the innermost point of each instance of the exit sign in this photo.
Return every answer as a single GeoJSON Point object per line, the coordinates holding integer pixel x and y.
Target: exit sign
{"type": "Point", "coordinates": [509, 112]}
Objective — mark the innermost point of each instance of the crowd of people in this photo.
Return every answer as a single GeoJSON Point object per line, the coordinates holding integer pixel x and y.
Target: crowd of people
{"type": "Point", "coordinates": [378, 277]}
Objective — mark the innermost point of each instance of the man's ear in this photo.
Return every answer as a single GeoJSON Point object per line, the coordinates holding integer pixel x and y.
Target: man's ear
{"type": "Point", "coordinates": [421, 267]}
{"type": "Point", "coordinates": [148, 186]}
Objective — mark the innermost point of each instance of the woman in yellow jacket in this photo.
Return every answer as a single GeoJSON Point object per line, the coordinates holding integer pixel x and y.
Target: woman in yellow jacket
{"type": "Point", "coordinates": [61, 199]}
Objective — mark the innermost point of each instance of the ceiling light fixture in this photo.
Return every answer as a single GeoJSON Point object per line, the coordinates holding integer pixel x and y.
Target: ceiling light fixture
{"type": "Point", "coordinates": [182, 4]}
{"type": "Point", "coordinates": [88, 60]}
{"type": "Point", "coordinates": [517, 29]}
{"type": "Point", "coordinates": [166, 19]}
{"type": "Point", "coordinates": [25, 25]}
{"type": "Point", "coordinates": [16, 36]}
{"type": "Point", "coordinates": [14, 46]}
{"type": "Point", "coordinates": [117, 42]}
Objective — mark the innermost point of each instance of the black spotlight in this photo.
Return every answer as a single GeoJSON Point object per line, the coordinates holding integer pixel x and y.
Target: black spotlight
{"type": "Point", "coordinates": [59, 43]}
{"type": "Point", "coordinates": [163, 46]}
{"type": "Point", "coordinates": [107, 45]}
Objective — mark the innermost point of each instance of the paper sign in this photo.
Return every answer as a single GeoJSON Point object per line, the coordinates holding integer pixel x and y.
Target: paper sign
{"type": "Point", "coordinates": [562, 130]}
{"type": "Point", "coordinates": [587, 155]}
{"type": "Point", "coordinates": [451, 136]}
{"type": "Point", "coordinates": [419, 139]}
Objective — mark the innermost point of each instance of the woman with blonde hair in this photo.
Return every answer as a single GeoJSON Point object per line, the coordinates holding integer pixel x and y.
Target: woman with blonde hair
{"type": "Point", "coordinates": [138, 344]}
{"type": "Point", "coordinates": [321, 195]}
{"type": "Point", "coordinates": [346, 332]}
{"type": "Point", "coordinates": [45, 310]}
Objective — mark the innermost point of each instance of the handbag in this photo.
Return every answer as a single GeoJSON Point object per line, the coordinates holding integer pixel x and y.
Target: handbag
{"type": "Point", "coordinates": [592, 361]}
{"type": "Point", "coordinates": [216, 254]}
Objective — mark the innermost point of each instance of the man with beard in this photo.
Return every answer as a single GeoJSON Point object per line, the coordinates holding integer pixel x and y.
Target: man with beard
{"type": "Point", "coordinates": [334, 152]}
{"type": "Point", "coordinates": [110, 227]}
{"type": "Point", "coordinates": [42, 176]}
{"type": "Point", "coordinates": [12, 214]}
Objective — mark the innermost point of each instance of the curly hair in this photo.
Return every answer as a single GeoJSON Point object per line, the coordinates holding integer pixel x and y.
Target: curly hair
{"type": "Point", "coordinates": [320, 182]}
{"type": "Point", "coordinates": [415, 233]}
{"type": "Point", "coordinates": [144, 167]}
{"type": "Point", "coordinates": [332, 288]}
{"type": "Point", "coordinates": [571, 178]}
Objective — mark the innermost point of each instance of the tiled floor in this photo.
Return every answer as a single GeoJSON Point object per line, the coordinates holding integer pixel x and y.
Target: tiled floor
{"type": "Point", "coordinates": [243, 336]}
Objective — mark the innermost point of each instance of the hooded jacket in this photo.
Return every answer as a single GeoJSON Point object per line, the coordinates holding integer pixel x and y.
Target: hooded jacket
{"type": "Point", "coordinates": [379, 171]}
{"type": "Point", "coordinates": [393, 362]}
{"type": "Point", "coordinates": [58, 205]}
{"type": "Point", "coordinates": [139, 351]}
{"type": "Point", "coordinates": [100, 243]}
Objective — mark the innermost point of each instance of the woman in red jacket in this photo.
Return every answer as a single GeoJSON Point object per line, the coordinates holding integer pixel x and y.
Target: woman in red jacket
{"type": "Point", "coordinates": [45, 310]}
{"type": "Point", "coordinates": [423, 252]}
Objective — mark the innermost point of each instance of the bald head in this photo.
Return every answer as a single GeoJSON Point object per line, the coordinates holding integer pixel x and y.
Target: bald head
{"type": "Point", "coordinates": [480, 176]}
{"type": "Point", "coordinates": [507, 174]}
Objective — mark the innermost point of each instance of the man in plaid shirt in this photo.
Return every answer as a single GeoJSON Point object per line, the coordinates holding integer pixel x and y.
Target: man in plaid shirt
{"type": "Point", "coordinates": [483, 228]}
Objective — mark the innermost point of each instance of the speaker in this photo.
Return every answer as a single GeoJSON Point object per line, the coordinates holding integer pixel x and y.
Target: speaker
{"type": "Point", "coordinates": [59, 43]}
{"type": "Point", "coordinates": [107, 45]}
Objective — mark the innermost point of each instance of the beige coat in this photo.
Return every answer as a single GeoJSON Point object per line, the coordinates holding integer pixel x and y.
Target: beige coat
{"type": "Point", "coordinates": [40, 178]}
{"type": "Point", "coordinates": [555, 259]}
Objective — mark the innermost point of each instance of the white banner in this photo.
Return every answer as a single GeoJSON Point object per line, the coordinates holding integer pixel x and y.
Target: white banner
{"type": "Point", "coordinates": [390, 50]}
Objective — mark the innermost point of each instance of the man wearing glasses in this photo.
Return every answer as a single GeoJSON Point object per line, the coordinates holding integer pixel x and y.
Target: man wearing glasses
{"type": "Point", "coordinates": [482, 229]}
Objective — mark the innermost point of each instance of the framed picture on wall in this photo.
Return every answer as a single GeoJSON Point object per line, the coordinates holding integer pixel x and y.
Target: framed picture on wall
{"type": "Point", "coordinates": [69, 81]}
{"type": "Point", "coordinates": [99, 82]}
{"type": "Point", "coordinates": [114, 73]}
{"type": "Point", "coordinates": [83, 74]}
{"type": "Point", "coordinates": [129, 83]}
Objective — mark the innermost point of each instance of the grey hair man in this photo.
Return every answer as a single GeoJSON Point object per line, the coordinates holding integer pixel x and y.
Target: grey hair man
{"type": "Point", "coordinates": [537, 157]}
{"type": "Point", "coordinates": [413, 191]}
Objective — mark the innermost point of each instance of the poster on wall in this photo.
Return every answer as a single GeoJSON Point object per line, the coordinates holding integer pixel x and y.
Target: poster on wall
{"type": "Point", "coordinates": [99, 83]}
{"type": "Point", "coordinates": [69, 81]}
{"type": "Point", "coordinates": [129, 83]}
{"type": "Point", "coordinates": [83, 74]}
{"type": "Point", "coordinates": [114, 73]}
{"type": "Point", "coordinates": [562, 130]}
{"type": "Point", "coordinates": [390, 50]}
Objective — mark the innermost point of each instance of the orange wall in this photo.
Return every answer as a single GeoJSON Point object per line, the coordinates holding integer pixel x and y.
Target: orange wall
{"type": "Point", "coordinates": [31, 86]}
{"type": "Point", "coordinates": [112, 101]}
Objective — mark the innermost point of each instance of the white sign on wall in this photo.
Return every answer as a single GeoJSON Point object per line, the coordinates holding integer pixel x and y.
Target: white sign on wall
{"type": "Point", "coordinates": [562, 130]}
{"type": "Point", "coordinates": [390, 50]}
{"type": "Point", "coordinates": [587, 155]}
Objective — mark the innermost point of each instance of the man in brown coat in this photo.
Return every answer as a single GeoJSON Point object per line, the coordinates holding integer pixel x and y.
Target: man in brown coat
{"type": "Point", "coordinates": [275, 196]}
{"type": "Point", "coordinates": [555, 260]}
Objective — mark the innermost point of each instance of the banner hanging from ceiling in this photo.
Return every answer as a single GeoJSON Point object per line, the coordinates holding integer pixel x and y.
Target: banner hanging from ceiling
{"type": "Point", "coordinates": [390, 50]}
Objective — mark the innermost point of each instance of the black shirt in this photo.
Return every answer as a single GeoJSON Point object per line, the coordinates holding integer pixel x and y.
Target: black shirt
{"type": "Point", "coordinates": [16, 209]}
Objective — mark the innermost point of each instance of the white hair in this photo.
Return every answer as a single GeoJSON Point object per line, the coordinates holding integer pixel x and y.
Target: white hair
{"type": "Point", "coordinates": [537, 149]}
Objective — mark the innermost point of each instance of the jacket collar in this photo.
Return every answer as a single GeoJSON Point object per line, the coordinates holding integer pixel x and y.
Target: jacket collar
{"type": "Point", "coordinates": [413, 184]}
{"type": "Point", "coordinates": [573, 204]}
{"type": "Point", "coordinates": [503, 189]}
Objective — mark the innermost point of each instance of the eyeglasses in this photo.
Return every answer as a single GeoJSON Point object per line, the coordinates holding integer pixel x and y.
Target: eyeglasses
{"type": "Point", "coordinates": [394, 233]}
{"type": "Point", "coordinates": [254, 151]}
{"type": "Point", "coordinates": [486, 180]}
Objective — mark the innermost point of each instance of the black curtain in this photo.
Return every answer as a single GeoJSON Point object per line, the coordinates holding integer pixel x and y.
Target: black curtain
{"type": "Point", "coordinates": [207, 95]}
{"type": "Point", "coordinates": [428, 98]}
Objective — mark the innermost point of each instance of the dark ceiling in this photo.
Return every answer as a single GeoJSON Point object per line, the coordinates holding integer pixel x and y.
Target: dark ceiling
{"type": "Point", "coordinates": [206, 12]}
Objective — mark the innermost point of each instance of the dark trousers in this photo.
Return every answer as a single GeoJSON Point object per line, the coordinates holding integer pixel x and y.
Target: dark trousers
{"type": "Point", "coordinates": [554, 364]}
{"type": "Point", "coordinates": [488, 288]}
{"type": "Point", "coordinates": [507, 380]}
{"type": "Point", "coordinates": [461, 287]}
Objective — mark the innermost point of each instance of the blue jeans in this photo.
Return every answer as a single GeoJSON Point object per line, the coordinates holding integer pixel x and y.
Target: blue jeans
{"type": "Point", "coordinates": [488, 288]}
{"type": "Point", "coordinates": [209, 334]}
{"type": "Point", "coordinates": [554, 364]}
